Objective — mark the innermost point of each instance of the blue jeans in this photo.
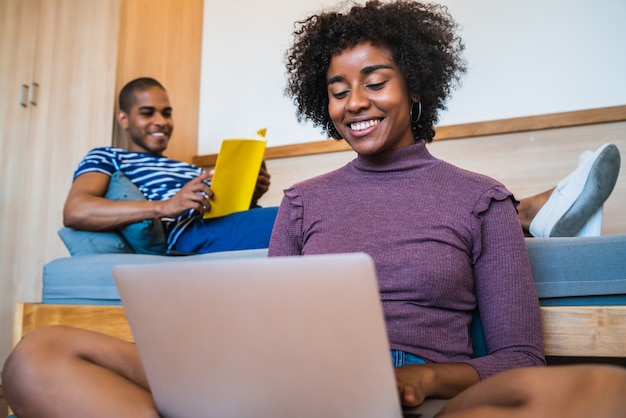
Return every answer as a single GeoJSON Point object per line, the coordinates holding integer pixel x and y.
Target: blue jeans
{"type": "Point", "coordinates": [400, 358]}
{"type": "Point", "coordinates": [246, 230]}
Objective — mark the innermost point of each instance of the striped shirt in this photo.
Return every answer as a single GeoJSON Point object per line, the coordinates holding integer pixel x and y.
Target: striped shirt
{"type": "Point", "coordinates": [157, 177]}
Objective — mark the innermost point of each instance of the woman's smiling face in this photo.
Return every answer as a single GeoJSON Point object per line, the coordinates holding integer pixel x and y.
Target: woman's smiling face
{"type": "Point", "coordinates": [368, 100]}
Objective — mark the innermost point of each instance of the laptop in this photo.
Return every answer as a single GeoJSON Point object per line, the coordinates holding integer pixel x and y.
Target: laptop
{"type": "Point", "coordinates": [263, 337]}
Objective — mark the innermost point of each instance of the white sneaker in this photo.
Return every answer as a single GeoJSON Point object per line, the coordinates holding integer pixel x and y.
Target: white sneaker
{"type": "Point", "coordinates": [579, 196]}
{"type": "Point", "coordinates": [593, 226]}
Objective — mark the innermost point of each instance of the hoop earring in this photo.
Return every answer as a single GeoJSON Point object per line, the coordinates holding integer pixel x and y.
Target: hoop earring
{"type": "Point", "coordinates": [332, 131]}
{"type": "Point", "coordinates": [419, 113]}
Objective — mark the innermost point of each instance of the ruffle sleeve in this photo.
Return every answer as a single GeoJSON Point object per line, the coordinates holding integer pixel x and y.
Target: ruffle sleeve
{"type": "Point", "coordinates": [497, 193]}
{"type": "Point", "coordinates": [287, 233]}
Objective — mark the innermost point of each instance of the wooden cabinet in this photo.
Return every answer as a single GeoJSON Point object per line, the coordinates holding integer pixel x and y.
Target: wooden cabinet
{"type": "Point", "coordinates": [18, 24]}
{"type": "Point", "coordinates": [67, 50]}
{"type": "Point", "coordinates": [68, 59]}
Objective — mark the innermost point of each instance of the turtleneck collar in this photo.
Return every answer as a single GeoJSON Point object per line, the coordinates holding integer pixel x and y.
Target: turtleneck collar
{"type": "Point", "coordinates": [408, 157]}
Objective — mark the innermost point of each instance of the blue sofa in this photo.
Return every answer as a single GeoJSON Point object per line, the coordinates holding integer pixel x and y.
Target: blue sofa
{"type": "Point", "coordinates": [88, 279]}
{"type": "Point", "coordinates": [567, 271]}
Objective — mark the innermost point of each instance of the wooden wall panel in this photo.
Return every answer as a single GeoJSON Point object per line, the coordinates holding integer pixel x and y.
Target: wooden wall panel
{"type": "Point", "coordinates": [163, 39]}
{"type": "Point", "coordinates": [526, 162]}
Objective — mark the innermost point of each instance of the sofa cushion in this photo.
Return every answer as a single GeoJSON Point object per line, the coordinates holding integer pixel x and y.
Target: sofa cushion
{"type": "Point", "coordinates": [88, 279]}
{"type": "Point", "coordinates": [579, 267]}
{"type": "Point", "coordinates": [567, 271]}
{"type": "Point", "coordinates": [145, 237]}
{"type": "Point", "coordinates": [87, 242]}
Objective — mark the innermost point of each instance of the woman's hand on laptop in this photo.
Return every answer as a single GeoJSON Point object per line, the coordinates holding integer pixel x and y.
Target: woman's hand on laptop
{"type": "Point", "coordinates": [417, 382]}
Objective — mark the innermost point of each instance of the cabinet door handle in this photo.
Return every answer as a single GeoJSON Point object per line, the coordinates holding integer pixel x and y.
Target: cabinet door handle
{"type": "Point", "coordinates": [24, 92]}
{"type": "Point", "coordinates": [32, 94]}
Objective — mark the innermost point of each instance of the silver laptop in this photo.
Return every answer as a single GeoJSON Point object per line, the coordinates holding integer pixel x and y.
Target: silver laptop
{"type": "Point", "coordinates": [263, 337]}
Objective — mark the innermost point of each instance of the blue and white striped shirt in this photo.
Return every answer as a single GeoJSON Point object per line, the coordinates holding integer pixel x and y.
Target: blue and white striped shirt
{"type": "Point", "coordinates": [157, 177]}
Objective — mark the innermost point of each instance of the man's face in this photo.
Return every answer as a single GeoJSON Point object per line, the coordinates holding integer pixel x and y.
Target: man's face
{"type": "Point", "coordinates": [149, 124]}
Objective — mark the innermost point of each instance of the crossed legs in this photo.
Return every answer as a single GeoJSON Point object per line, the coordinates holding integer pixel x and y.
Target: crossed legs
{"type": "Point", "coordinates": [577, 391]}
{"type": "Point", "coordinates": [63, 372]}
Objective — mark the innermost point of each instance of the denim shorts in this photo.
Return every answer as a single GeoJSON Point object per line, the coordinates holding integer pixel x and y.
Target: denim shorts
{"type": "Point", "coordinates": [401, 358]}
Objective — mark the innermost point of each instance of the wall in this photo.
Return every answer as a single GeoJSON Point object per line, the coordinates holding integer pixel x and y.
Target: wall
{"type": "Point", "coordinates": [526, 162]}
{"type": "Point", "coordinates": [525, 58]}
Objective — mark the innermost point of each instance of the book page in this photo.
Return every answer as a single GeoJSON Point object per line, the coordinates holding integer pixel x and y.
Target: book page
{"type": "Point", "coordinates": [236, 172]}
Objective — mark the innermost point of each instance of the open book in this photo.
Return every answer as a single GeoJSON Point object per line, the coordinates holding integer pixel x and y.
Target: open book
{"type": "Point", "coordinates": [236, 173]}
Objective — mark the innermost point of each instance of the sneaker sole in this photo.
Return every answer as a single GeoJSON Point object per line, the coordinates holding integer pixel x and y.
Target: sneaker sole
{"type": "Point", "coordinates": [597, 189]}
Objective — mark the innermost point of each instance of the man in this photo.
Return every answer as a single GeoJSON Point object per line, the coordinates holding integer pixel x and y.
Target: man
{"type": "Point", "coordinates": [176, 193]}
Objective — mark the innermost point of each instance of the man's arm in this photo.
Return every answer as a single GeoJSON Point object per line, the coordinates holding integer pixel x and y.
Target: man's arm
{"type": "Point", "coordinates": [87, 209]}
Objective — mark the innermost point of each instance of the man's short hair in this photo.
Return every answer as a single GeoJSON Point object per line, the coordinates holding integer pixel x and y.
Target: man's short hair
{"type": "Point", "coordinates": [127, 94]}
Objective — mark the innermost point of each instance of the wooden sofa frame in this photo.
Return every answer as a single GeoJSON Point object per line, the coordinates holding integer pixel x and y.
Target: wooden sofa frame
{"type": "Point", "coordinates": [569, 331]}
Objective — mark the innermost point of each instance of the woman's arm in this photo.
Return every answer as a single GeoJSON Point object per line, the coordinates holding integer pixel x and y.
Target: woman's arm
{"type": "Point", "coordinates": [508, 306]}
{"type": "Point", "coordinates": [505, 292]}
{"type": "Point", "coordinates": [286, 237]}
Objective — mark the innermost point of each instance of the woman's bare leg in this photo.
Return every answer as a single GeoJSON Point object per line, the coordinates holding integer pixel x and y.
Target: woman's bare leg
{"type": "Point", "coordinates": [69, 372]}
{"type": "Point", "coordinates": [577, 391]}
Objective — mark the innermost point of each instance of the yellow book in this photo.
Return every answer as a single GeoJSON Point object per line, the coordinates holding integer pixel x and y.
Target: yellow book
{"type": "Point", "coordinates": [236, 173]}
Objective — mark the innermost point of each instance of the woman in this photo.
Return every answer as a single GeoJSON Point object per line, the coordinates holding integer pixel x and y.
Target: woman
{"type": "Point", "coordinates": [446, 242]}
